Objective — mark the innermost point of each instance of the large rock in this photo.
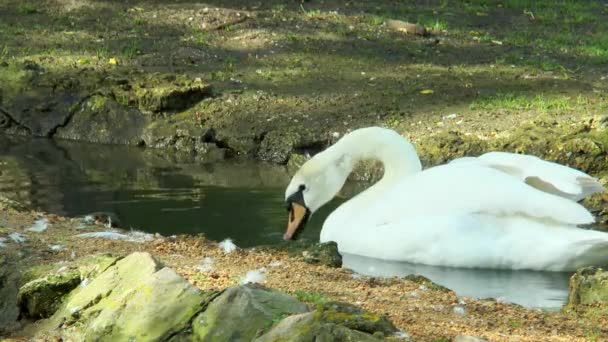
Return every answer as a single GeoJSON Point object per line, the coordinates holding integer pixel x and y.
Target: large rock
{"type": "Point", "coordinates": [589, 291]}
{"type": "Point", "coordinates": [100, 119]}
{"type": "Point", "coordinates": [134, 300]}
{"type": "Point", "coordinates": [242, 312]}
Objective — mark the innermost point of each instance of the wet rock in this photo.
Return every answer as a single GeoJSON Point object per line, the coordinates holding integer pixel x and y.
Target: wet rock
{"type": "Point", "coordinates": [40, 298]}
{"type": "Point", "coordinates": [185, 137]}
{"type": "Point", "coordinates": [309, 327]}
{"type": "Point", "coordinates": [422, 280]}
{"type": "Point", "coordinates": [277, 146]}
{"type": "Point", "coordinates": [9, 312]}
{"type": "Point", "coordinates": [36, 100]}
{"type": "Point", "coordinates": [353, 317]}
{"type": "Point", "coordinates": [242, 312]}
{"type": "Point", "coordinates": [295, 162]}
{"type": "Point", "coordinates": [467, 338]}
{"type": "Point", "coordinates": [313, 253]}
{"type": "Point", "coordinates": [323, 253]}
{"type": "Point", "coordinates": [589, 291]}
{"type": "Point", "coordinates": [135, 299]}
{"type": "Point", "coordinates": [100, 119]}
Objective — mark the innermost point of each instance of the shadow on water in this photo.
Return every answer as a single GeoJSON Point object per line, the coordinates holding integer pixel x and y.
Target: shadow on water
{"type": "Point", "coordinates": [150, 190]}
{"type": "Point", "coordinates": [154, 191]}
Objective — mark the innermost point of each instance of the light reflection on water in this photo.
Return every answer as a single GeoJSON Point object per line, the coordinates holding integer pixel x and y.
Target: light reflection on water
{"type": "Point", "coordinates": [527, 288]}
{"type": "Point", "coordinates": [155, 191]}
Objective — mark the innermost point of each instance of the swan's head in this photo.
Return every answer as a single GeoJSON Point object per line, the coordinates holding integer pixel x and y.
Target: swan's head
{"type": "Point", "coordinates": [315, 184]}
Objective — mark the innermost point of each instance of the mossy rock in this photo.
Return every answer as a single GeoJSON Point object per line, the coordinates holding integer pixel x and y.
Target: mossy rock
{"type": "Point", "coordinates": [325, 253]}
{"type": "Point", "coordinates": [277, 146]}
{"type": "Point", "coordinates": [353, 317]}
{"type": "Point", "coordinates": [241, 313]}
{"type": "Point", "coordinates": [155, 94]}
{"type": "Point", "coordinates": [588, 292]}
{"type": "Point", "coordinates": [40, 298]}
{"type": "Point", "coordinates": [134, 299]}
{"type": "Point", "coordinates": [308, 327]}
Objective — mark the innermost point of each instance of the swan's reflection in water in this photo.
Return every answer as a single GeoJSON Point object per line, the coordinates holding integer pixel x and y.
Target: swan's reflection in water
{"type": "Point", "coordinates": [547, 290]}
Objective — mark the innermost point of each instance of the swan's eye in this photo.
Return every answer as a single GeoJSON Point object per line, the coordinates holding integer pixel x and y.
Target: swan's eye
{"type": "Point", "coordinates": [302, 187]}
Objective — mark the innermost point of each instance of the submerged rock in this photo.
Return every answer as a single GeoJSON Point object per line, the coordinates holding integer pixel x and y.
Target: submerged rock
{"type": "Point", "coordinates": [589, 291]}
{"type": "Point", "coordinates": [242, 312]}
{"type": "Point", "coordinates": [135, 299]}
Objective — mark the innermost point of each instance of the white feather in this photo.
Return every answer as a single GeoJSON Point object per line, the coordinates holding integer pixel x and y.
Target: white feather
{"type": "Point", "coordinates": [255, 276]}
{"type": "Point", "coordinates": [544, 175]}
{"type": "Point", "coordinates": [16, 237]}
{"type": "Point", "coordinates": [227, 246]}
{"type": "Point", "coordinates": [40, 225]}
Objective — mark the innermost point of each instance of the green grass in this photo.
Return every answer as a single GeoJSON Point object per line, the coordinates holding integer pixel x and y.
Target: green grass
{"type": "Point", "coordinates": [311, 297]}
{"type": "Point", "coordinates": [539, 103]}
{"type": "Point", "coordinates": [28, 9]}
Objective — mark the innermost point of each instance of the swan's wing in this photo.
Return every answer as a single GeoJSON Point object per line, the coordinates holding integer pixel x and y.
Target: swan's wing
{"type": "Point", "coordinates": [544, 175]}
{"type": "Point", "coordinates": [463, 188]}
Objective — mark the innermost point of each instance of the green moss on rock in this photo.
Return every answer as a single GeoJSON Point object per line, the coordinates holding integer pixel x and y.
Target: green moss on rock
{"type": "Point", "coordinates": [243, 312]}
{"type": "Point", "coordinates": [40, 298]}
{"type": "Point", "coordinates": [353, 317]}
{"type": "Point", "coordinates": [589, 292]}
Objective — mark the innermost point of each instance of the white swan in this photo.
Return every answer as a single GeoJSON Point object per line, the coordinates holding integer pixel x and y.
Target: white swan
{"type": "Point", "coordinates": [500, 210]}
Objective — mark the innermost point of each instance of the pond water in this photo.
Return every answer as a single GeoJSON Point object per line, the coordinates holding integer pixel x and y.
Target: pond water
{"type": "Point", "coordinates": [157, 191]}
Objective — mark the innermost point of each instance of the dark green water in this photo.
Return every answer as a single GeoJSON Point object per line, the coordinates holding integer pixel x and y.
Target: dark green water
{"type": "Point", "coordinates": [156, 191]}
{"type": "Point", "coordinates": [149, 190]}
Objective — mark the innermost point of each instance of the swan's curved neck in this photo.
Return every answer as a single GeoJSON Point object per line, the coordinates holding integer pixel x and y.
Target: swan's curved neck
{"type": "Point", "coordinates": [397, 155]}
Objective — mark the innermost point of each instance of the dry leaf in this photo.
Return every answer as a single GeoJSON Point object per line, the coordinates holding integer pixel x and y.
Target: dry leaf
{"type": "Point", "coordinates": [112, 61]}
{"type": "Point", "coordinates": [426, 91]}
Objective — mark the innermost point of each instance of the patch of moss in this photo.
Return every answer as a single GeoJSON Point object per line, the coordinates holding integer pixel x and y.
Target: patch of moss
{"type": "Point", "coordinates": [353, 317]}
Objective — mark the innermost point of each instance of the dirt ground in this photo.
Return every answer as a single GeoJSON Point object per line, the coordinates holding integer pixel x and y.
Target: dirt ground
{"type": "Point", "coordinates": [291, 73]}
{"type": "Point", "coordinates": [429, 315]}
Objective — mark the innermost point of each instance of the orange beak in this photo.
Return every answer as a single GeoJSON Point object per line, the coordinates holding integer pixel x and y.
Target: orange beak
{"type": "Point", "coordinates": [297, 213]}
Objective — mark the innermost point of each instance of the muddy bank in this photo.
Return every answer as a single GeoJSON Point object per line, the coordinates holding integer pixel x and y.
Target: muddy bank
{"type": "Point", "coordinates": [268, 80]}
